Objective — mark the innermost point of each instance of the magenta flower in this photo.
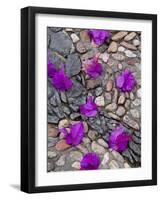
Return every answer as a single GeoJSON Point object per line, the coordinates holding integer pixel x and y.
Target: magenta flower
{"type": "Point", "coordinates": [118, 140]}
{"type": "Point", "coordinates": [60, 80]}
{"type": "Point", "coordinates": [75, 136]}
{"type": "Point", "coordinates": [125, 81]}
{"type": "Point", "coordinates": [51, 69]}
{"type": "Point", "coordinates": [98, 36]}
{"type": "Point", "coordinates": [89, 109]}
{"type": "Point", "coordinates": [93, 68]}
{"type": "Point", "coordinates": [90, 161]}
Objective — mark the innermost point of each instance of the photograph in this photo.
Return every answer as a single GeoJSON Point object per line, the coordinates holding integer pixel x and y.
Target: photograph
{"type": "Point", "coordinates": [89, 99]}
{"type": "Point", "coordinates": [93, 99]}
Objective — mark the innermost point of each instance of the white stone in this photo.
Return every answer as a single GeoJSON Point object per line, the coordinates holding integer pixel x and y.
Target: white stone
{"type": "Point", "coordinates": [105, 159]}
{"type": "Point", "coordinates": [82, 148]}
{"type": "Point", "coordinates": [136, 102]}
{"type": "Point", "coordinates": [121, 49]}
{"type": "Point", "coordinates": [63, 123]}
{"type": "Point", "coordinates": [117, 156]}
{"type": "Point", "coordinates": [120, 66]}
{"type": "Point", "coordinates": [111, 107]}
{"type": "Point", "coordinates": [130, 54]}
{"type": "Point", "coordinates": [121, 100]}
{"type": "Point", "coordinates": [76, 165]}
{"type": "Point", "coordinates": [100, 101]}
{"type": "Point", "coordinates": [51, 154]}
{"type": "Point", "coordinates": [86, 140]}
{"type": "Point", "coordinates": [132, 97]}
{"type": "Point", "coordinates": [104, 57]}
{"type": "Point", "coordinates": [139, 93]}
{"type": "Point", "coordinates": [130, 36]}
{"type": "Point", "coordinates": [135, 113]}
{"type": "Point", "coordinates": [102, 142]}
{"type": "Point", "coordinates": [74, 37]}
{"type": "Point", "coordinates": [120, 111]}
{"type": "Point", "coordinates": [97, 148]}
{"type": "Point", "coordinates": [76, 155]}
{"type": "Point", "coordinates": [61, 161]}
{"type": "Point", "coordinates": [136, 42]}
{"type": "Point", "coordinates": [113, 164]}
{"type": "Point", "coordinates": [126, 165]}
{"type": "Point", "coordinates": [92, 134]}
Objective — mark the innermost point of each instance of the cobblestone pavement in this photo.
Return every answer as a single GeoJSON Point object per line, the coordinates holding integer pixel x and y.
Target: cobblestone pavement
{"type": "Point", "coordinates": [73, 47]}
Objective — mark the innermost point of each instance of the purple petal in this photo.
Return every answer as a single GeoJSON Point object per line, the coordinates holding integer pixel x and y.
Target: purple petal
{"type": "Point", "coordinates": [98, 36]}
{"type": "Point", "coordinates": [119, 139]}
{"type": "Point", "coordinates": [93, 68]}
{"type": "Point", "coordinates": [51, 69]}
{"type": "Point", "coordinates": [76, 134]}
{"type": "Point", "coordinates": [61, 81]}
{"type": "Point", "coordinates": [125, 81]}
{"type": "Point", "coordinates": [90, 161]}
{"type": "Point", "coordinates": [89, 109]}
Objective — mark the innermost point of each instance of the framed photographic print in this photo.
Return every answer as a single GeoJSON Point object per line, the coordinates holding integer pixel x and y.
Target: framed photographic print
{"type": "Point", "coordinates": [88, 99]}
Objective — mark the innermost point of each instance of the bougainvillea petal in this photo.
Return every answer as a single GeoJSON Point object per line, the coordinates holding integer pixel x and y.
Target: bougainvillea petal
{"type": "Point", "coordinates": [98, 36]}
{"type": "Point", "coordinates": [90, 161]}
{"type": "Point", "coordinates": [125, 81]}
{"type": "Point", "coordinates": [76, 134]}
{"type": "Point", "coordinates": [119, 139]}
{"type": "Point", "coordinates": [51, 69]}
{"type": "Point", "coordinates": [93, 68]}
{"type": "Point", "coordinates": [61, 81]}
{"type": "Point", "coordinates": [89, 109]}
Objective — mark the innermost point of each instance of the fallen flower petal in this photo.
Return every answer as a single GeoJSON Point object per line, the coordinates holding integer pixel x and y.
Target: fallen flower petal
{"type": "Point", "coordinates": [76, 134]}
{"type": "Point", "coordinates": [51, 69]}
{"type": "Point", "coordinates": [89, 109]}
{"type": "Point", "coordinates": [93, 68]}
{"type": "Point", "coordinates": [125, 81]}
{"type": "Point", "coordinates": [61, 81]}
{"type": "Point", "coordinates": [98, 36]}
{"type": "Point", "coordinates": [90, 161]}
{"type": "Point", "coordinates": [118, 140]}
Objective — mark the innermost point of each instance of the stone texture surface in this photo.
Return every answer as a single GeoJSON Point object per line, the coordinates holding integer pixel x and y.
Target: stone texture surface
{"type": "Point", "coordinates": [73, 47]}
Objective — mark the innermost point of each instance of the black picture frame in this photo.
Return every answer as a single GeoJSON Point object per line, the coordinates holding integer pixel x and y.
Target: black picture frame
{"type": "Point", "coordinates": [28, 98]}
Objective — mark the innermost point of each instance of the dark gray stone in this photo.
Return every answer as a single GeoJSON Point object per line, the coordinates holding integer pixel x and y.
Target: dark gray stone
{"type": "Point", "coordinates": [135, 147]}
{"type": "Point", "coordinates": [74, 116]}
{"type": "Point", "coordinates": [66, 110]}
{"type": "Point", "coordinates": [103, 48]}
{"type": "Point", "coordinates": [98, 91]}
{"type": "Point", "coordinates": [50, 166]}
{"type": "Point", "coordinates": [127, 154]}
{"type": "Point", "coordinates": [83, 80]}
{"type": "Point", "coordinates": [137, 133]}
{"type": "Point", "coordinates": [63, 97]}
{"type": "Point", "coordinates": [61, 43]}
{"type": "Point", "coordinates": [53, 119]}
{"type": "Point", "coordinates": [52, 141]}
{"type": "Point", "coordinates": [73, 65]}
{"type": "Point", "coordinates": [50, 90]}
{"type": "Point", "coordinates": [59, 112]}
{"type": "Point", "coordinates": [55, 29]}
{"type": "Point", "coordinates": [79, 100]}
{"type": "Point", "coordinates": [57, 59]}
{"type": "Point", "coordinates": [55, 99]}
{"type": "Point", "coordinates": [135, 157]}
{"type": "Point", "coordinates": [136, 139]}
{"type": "Point", "coordinates": [95, 124]}
{"type": "Point", "coordinates": [50, 108]}
{"type": "Point", "coordinates": [74, 107]}
{"type": "Point", "coordinates": [76, 90]}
